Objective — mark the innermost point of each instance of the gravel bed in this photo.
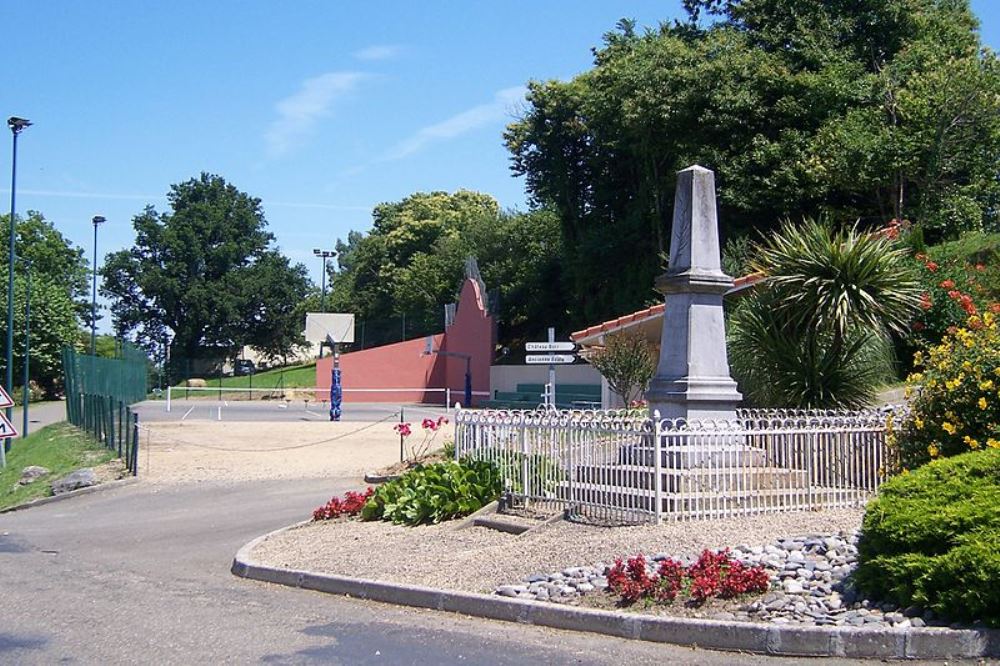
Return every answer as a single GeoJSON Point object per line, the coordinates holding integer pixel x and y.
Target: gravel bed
{"type": "Point", "coordinates": [810, 584]}
{"type": "Point", "coordinates": [479, 559]}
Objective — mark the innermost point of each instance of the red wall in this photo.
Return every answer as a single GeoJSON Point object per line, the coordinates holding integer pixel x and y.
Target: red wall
{"type": "Point", "coordinates": [403, 365]}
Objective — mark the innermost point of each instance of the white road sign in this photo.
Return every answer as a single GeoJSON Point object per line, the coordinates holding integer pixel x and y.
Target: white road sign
{"type": "Point", "coordinates": [548, 359]}
{"type": "Point", "coordinates": [549, 346]}
{"type": "Point", "coordinates": [5, 400]}
{"type": "Point", "coordinates": [6, 428]}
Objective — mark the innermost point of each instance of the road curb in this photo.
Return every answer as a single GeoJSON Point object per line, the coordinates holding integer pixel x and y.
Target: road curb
{"type": "Point", "coordinates": [799, 641]}
{"type": "Point", "coordinates": [110, 485]}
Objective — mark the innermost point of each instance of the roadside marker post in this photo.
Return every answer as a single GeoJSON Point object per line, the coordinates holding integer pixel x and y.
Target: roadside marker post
{"type": "Point", "coordinates": [551, 359]}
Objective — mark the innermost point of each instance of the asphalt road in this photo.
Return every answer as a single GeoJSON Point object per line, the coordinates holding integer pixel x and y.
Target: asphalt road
{"type": "Point", "coordinates": [140, 574]}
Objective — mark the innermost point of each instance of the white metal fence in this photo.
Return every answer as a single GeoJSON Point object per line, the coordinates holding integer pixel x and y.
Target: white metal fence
{"type": "Point", "coordinates": [623, 467]}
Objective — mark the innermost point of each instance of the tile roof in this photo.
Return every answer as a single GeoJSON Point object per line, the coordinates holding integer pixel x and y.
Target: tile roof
{"type": "Point", "coordinates": [650, 313]}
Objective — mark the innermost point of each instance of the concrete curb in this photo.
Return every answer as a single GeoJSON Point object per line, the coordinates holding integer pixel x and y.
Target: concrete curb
{"type": "Point", "coordinates": [372, 477]}
{"type": "Point", "coordinates": [110, 485]}
{"type": "Point", "coordinates": [911, 643]}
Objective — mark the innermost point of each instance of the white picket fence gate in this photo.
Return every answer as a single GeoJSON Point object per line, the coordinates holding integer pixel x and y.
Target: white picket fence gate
{"type": "Point", "coordinates": [620, 467]}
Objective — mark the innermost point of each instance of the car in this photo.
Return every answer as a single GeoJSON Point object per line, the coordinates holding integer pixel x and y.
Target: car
{"type": "Point", "coordinates": [244, 367]}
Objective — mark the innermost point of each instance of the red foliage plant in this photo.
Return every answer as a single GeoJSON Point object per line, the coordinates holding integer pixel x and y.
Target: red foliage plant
{"type": "Point", "coordinates": [351, 505]}
{"type": "Point", "coordinates": [713, 575]}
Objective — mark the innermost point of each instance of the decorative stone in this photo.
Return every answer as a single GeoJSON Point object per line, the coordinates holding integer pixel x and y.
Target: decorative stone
{"type": "Point", "coordinates": [81, 478]}
{"type": "Point", "coordinates": [32, 473]}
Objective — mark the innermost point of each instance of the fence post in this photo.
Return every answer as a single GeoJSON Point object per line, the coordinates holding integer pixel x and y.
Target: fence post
{"type": "Point", "coordinates": [657, 467]}
{"type": "Point", "coordinates": [809, 467]}
{"type": "Point", "coordinates": [168, 398]}
{"type": "Point", "coordinates": [525, 478]}
{"type": "Point", "coordinates": [458, 432]}
{"type": "Point", "coordinates": [447, 401]}
{"type": "Point", "coordinates": [135, 444]}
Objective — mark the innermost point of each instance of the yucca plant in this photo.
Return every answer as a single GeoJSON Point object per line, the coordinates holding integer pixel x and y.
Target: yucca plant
{"type": "Point", "coordinates": [816, 332]}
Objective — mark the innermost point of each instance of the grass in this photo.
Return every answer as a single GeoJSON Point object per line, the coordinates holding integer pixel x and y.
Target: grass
{"type": "Point", "coordinates": [298, 376]}
{"type": "Point", "coordinates": [60, 447]}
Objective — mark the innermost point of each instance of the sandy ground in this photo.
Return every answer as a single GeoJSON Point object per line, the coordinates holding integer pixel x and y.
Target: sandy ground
{"type": "Point", "coordinates": [477, 559]}
{"type": "Point", "coordinates": [239, 451]}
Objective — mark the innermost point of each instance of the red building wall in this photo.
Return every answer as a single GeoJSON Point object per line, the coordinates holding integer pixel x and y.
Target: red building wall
{"type": "Point", "coordinates": [404, 365]}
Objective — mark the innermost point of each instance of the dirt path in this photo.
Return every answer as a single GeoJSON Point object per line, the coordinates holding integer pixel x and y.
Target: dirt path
{"type": "Point", "coordinates": [239, 451]}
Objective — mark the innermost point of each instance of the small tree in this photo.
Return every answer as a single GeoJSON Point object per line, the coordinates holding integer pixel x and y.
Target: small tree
{"type": "Point", "coordinates": [627, 361]}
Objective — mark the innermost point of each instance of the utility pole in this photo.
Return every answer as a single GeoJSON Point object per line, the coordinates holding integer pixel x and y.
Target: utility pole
{"type": "Point", "coordinates": [98, 220]}
{"type": "Point", "coordinates": [16, 125]}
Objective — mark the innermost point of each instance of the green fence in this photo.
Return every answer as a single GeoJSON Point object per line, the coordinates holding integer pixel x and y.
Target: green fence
{"type": "Point", "coordinates": [99, 394]}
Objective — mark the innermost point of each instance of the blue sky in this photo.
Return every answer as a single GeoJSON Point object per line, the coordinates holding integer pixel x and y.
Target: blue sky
{"type": "Point", "coordinates": [321, 109]}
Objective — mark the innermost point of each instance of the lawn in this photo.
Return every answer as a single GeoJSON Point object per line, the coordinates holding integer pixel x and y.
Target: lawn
{"type": "Point", "coordinates": [60, 447]}
{"type": "Point", "coordinates": [297, 376]}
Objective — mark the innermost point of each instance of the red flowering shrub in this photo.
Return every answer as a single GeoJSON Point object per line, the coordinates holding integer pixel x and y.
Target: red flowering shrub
{"type": "Point", "coordinates": [713, 575]}
{"type": "Point", "coordinates": [351, 505]}
{"type": "Point", "coordinates": [955, 291]}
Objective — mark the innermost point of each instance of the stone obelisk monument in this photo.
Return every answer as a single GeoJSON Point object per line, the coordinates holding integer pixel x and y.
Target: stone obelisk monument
{"type": "Point", "coordinates": [692, 379]}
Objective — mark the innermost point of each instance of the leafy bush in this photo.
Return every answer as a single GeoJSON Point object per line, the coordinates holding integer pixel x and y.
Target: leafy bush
{"type": "Point", "coordinates": [627, 361]}
{"type": "Point", "coordinates": [434, 493]}
{"type": "Point", "coordinates": [957, 402]}
{"type": "Point", "coordinates": [815, 333]}
{"type": "Point", "coordinates": [955, 287]}
{"type": "Point", "coordinates": [544, 473]}
{"type": "Point", "coordinates": [351, 505]}
{"type": "Point", "coordinates": [932, 538]}
{"type": "Point", "coordinates": [713, 575]}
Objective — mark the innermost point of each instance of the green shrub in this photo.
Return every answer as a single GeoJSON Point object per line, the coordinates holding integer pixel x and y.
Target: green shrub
{"type": "Point", "coordinates": [434, 493]}
{"type": "Point", "coordinates": [544, 473]}
{"type": "Point", "coordinates": [932, 538]}
{"type": "Point", "coordinates": [957, 406]}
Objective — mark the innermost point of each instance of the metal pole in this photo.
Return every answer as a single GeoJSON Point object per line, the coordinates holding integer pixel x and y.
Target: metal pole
{"type": "Point", "coordinates": [468, 381]}
{"type": "Point", "coordinates": [322, 301]}
{"type": "Point", "coordinates": [10, 293]}
{"type": "Point", "coordinates": [26, 392]}
{"type": "Point", "coordinates": [552, 373]}
{"type": "Point", "coordinates": [93, 297]}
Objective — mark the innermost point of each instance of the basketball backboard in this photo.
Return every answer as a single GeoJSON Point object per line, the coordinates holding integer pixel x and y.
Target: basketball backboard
{"type": "Point", "coordinates": [337, 325]}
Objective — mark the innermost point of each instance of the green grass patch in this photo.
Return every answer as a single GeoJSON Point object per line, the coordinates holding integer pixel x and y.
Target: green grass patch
{"type": "Point", "coordinates": [60, 447]}
{"type": "Point", "coordinates": [296, 376]}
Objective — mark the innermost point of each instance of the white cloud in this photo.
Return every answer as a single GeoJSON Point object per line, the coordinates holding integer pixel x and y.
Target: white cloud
{"type": "Point", "coordinates": [298, 113]}
{"type": "Point", "coordinates": [378, 52]}
{"type": "Point", "coordinates": [460, 123]}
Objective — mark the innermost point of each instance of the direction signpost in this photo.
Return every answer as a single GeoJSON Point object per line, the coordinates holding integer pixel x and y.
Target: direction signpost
{"type": "Point", "coordinates": [7, 428]}
{"type": "Point", "coordinates": [550, 359]}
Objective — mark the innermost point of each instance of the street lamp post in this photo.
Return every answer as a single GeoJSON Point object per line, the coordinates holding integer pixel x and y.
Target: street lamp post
{"type": "Point", "coordinates": [25, 391]}
{"type": "Point", "coordinates": [324, 255]}
{"type": "Point", "coordinates": [98, 220]}
{"type": "Point", "coordinates": [16, 125]}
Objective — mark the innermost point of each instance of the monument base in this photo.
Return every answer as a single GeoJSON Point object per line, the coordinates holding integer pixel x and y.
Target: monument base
{"type": "Point", "coordinates": [694, 398]}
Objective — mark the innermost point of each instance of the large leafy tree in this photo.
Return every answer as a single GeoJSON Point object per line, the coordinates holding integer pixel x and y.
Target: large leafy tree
{"type": "Point", "coordinates": [868, 109]}
{"type": "Point", "coordinates": [59, 296]}
{"type": "Point", "coordinates": [412, 263]}
{"type": "Point", "coordinates": [206, 275]}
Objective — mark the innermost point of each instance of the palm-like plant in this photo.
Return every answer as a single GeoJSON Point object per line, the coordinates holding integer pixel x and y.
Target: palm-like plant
{"type": "Point", "coordinates": [816, 332]}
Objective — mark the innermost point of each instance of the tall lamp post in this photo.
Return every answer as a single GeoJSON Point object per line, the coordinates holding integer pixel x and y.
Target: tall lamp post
{"type": "Point", "coordinates": [98, 220]}
{"type": "Point", "coordinates": [25, 391]}
{"type": "Point", "coordinates": [16, 125]}
{"type": "Point", "coordinates": [324, 255]}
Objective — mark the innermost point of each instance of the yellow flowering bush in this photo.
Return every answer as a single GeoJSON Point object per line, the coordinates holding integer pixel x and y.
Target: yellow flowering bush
{"type": "Point", "coordinates": [955, 394]}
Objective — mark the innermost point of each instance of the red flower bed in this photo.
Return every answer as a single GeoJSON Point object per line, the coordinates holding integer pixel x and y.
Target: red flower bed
{"type": "Point", "coordinates": [350, 505]}
{"type": "Point", "coordinates": [713, 575]}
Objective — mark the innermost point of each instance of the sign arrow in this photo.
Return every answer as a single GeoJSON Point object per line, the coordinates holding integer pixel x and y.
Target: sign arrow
{"type": "Point", "coordinates": [549, 359]}
{"type": "Point", "coordinates": [549, 346]}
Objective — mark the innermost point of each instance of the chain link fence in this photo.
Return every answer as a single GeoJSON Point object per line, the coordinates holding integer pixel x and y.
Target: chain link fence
{"type": "Point", "coordinates": [99, 395]}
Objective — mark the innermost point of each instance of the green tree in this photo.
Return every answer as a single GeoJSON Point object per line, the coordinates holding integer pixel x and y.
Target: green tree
{"type": "Point", "coordinates": [206, 273]}
{"type": "Point", "coordinates": [627, 362]}
{"type": "Point", "coordinates": [412, 263]}
{"type": "Point", "coordinates": [54, 325]}
{"type": "Point", "coordinates": [868, 109]}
